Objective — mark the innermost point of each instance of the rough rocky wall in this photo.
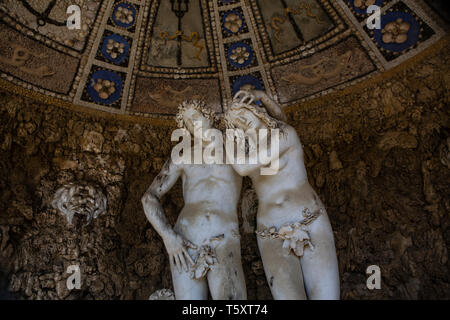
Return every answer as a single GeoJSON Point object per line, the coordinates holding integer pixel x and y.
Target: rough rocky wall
{"type": "Point", "coordinates": [378, 157]}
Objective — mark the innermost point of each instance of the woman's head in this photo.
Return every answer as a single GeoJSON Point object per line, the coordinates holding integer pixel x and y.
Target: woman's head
{"type": "Point", "coordinates": [245, 115]}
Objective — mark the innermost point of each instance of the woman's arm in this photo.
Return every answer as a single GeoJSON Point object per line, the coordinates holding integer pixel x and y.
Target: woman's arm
{"type": "Point", "coordinates": [273, 108]}
{"type": "Point", "coordinates": [272, 157]}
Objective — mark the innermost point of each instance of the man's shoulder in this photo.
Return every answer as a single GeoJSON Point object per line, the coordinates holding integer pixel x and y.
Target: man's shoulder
{"type": "Point", "coordinates": [170, 165]}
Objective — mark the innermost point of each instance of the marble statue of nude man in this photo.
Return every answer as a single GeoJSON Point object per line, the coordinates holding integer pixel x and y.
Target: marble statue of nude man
{"type": "Point", "coordinates": [204, 245]}
{"type": "Point", "coordinates": [294, 233]}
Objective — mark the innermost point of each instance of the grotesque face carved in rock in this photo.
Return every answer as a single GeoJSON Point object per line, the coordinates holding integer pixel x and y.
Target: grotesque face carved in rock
{"type": "Point", "coordinates": [83, 199]}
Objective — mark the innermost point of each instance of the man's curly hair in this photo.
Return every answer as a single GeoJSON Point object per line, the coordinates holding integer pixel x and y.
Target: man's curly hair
{"type": "Point", "coordinates": [198, 105]}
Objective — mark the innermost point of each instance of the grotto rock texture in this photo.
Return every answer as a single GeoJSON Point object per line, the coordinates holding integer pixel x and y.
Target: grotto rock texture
{"type": "Point", "coordinates": [378, 157]}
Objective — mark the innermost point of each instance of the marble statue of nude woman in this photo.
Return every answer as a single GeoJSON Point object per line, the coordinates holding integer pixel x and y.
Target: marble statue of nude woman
{"type": "Point", "coordinates": [204, 245]}
{"type": "Point", "coordinates": [294, 234]}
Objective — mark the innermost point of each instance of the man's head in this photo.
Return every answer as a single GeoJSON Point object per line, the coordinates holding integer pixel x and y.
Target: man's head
{"type": "Point", "coordinates": [192, 113]}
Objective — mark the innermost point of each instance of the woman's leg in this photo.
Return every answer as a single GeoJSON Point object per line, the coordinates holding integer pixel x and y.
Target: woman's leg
{"type": "Point", "coordinates": [283, 270]}
{"type": "Point", "coordinates": [320, 265]}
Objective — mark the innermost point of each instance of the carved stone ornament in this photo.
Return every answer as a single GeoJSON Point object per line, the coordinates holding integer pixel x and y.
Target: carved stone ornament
{"type": "Point", "coordinates": [163, 294]}
{"type": "Point", "coordinates": [83, 199]}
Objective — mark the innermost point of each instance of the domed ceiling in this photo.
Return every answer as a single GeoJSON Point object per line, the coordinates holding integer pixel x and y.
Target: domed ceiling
{"type": "Point", "coordinates": [143, 57]}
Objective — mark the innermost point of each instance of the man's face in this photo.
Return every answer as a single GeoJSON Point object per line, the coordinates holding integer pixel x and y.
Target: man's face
{"type": "Point", "coordinates": [196, 121]}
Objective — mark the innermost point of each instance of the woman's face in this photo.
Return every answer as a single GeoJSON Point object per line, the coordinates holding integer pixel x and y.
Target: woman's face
{"type": "Point", "coordinates": [245, 119]}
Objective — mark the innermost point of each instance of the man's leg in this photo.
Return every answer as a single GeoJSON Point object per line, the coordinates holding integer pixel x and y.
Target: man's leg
{"type": "Point", "coordinates": [186, 288]}
{"type": "Point", "coordinates": [226, 278]}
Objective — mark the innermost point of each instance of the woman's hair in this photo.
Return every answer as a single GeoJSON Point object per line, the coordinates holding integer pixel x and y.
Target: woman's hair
{"type": "Point", "coordinates": [261, 113]}
{"type": "Point", "coordinates": [198, 105]}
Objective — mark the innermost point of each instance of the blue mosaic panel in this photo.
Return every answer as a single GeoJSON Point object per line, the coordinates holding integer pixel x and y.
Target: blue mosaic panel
{"type": "Point", "coordinates": [115, 49]}
{"type": "Point", "coordinates": [401, 30]}
{"type": "Point", "coordinates": [104, 87]}
{"type": "Point", "coordinates": [240, 55]}
{"type": "Point", "coordinates": [124, 15]}
{"type": "Point", "coordinates": [233, 23]}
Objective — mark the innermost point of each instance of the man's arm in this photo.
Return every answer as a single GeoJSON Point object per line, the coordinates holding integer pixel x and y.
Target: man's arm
{"type": "Point", "coordinates": [175, 244]}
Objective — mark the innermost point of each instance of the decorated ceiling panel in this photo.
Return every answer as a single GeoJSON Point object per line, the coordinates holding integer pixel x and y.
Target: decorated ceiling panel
{"type": "Point", "coordinates": [143, 57]}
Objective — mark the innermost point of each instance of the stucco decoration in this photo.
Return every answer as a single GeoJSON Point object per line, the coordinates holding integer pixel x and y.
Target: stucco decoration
{"type": "Point", "coordinates": [206, 259]}
{"type": "Point", "coordinates": [295, 235]}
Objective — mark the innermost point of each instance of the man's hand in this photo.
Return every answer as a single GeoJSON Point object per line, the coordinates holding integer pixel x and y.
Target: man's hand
{"type": "Point", "coordinates": [176, 247]}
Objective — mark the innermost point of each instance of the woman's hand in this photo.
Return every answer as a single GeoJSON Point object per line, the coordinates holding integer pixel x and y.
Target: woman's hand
{"type": "Point", "coordinates": [176, 247]}
{"type": "Point", "coordinates": [244, 97]}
